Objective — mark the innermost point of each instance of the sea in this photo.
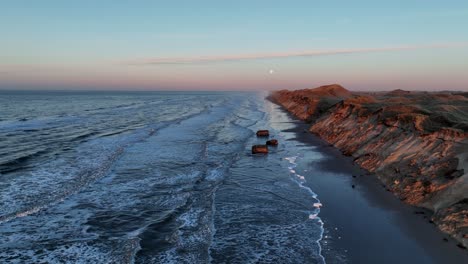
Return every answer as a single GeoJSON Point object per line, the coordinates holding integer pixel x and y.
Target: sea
{"type": "Point", "coordinates": [152, 177]}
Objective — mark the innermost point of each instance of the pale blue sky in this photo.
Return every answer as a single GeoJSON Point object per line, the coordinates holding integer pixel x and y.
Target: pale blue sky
{"type": "Point", "coordinates": [114, 44]}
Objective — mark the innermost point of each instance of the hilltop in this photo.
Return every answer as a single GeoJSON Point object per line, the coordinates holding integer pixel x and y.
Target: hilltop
{"type": "Point", "coordinates": [308, 104]}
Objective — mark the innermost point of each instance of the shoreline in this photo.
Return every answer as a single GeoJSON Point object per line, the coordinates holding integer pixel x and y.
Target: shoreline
{"type": "Point", "coordinates": [407, 234]}
{"type": "Point", "coordinates": [412, 141]}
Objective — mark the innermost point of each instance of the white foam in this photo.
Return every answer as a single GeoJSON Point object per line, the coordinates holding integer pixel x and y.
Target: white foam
{"type": "Point", "coordinates": [135, 233]}
{"type": "Point", "coordinates": [215, 174]}
{"type": "Point", "coordinates": [291, 160]}
{"type": "Point", "coordinates": [313, 216]}
{"type": "Point", "coordinates": [190, 218]}
{"type": "Point", "coordinates": [76, 253]}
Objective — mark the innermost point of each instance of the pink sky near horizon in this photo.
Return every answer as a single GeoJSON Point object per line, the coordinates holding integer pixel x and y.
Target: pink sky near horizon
{"type": "Point", "coordinates": [237, 45]}
{"type": "Point", "coordinates": [412, 68]}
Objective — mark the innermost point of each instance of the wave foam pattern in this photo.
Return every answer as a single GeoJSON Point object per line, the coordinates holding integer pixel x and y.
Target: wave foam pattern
{"type": "Point", "coordinates": [164, 179]}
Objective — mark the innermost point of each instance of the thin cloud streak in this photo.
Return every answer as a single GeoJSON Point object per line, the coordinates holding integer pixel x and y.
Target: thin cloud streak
{"type": "Point", "coordinates": [246, 57]}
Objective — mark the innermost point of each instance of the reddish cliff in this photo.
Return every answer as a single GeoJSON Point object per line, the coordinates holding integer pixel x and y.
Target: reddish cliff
{"type": "Point", "coordinates": [415, 142]}
{"type": "Point", "coordinates": [307, 104]}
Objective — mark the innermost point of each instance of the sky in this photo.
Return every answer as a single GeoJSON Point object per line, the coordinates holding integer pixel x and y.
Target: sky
{"type": "Point", "coordinates": [233, 45]}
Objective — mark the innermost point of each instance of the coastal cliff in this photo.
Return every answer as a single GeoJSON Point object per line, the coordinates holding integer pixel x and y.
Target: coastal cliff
{"type": "Point", "coordinates": [416, 143]}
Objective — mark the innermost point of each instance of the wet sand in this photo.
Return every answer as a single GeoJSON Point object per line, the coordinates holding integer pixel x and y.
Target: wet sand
{"type": "Point", "coordinates": [367, 223]}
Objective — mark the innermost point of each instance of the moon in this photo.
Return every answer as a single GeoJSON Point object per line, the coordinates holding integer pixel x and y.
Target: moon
{"type": "Point", "coordinates": [271, 71]}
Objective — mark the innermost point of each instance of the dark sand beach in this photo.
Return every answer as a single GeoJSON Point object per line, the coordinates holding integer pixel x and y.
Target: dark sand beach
{"type": "Point", "coordinates": [367, 223]}
{"type": "Point", "coordinates": [182, 186]}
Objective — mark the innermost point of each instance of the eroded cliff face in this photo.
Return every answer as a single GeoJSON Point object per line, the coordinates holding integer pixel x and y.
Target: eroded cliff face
{"type": "Point", "coordinates": [416, 143]}
{"type": "Point", "coordinates": [307, 104]}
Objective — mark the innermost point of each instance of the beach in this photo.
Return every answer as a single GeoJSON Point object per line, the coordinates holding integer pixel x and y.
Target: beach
{"type": "Point", "coordinates": [164, 177]}
{"type": "Point", "coordinates": [367, 224]}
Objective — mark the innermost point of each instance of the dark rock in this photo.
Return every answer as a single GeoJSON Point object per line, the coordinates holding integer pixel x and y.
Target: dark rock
{"type": "Point", "coordinates": [272, 142]}
{"type": "Point", "coordinates": [460, 245]}
{"type": "Point", "coordinates": [445, 239]}
{"type": "Point", "coordinates": [259, 149]}
{"type": "Point", "coordinates": [354, 176]}
{"type": "Point", "coordinates": [263, 133]}
{"type": "Point", "coordinates": [353, 186]}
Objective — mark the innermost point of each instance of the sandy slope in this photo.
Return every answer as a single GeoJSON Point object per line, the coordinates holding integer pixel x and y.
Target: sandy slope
{"type": "Point", "coordinates": [415, 142]}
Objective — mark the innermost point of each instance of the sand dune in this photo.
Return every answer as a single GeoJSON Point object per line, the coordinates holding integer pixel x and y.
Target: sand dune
{"type": "Point", "coordinates": [415, 142]}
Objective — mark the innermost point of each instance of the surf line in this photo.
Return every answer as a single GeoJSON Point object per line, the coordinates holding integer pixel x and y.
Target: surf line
{"type": "Point", "coordinates": [300, 180]}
